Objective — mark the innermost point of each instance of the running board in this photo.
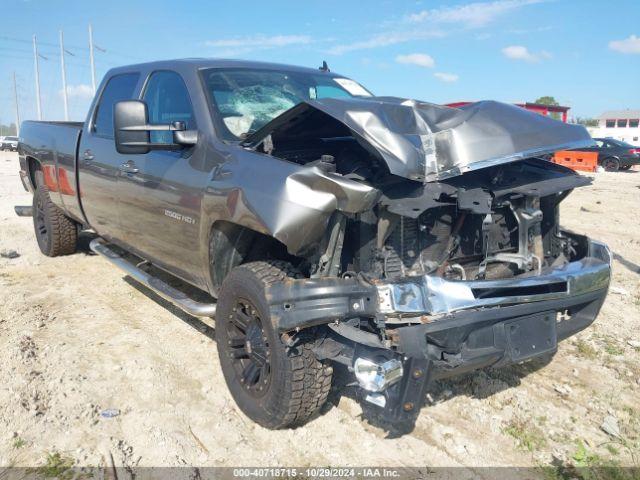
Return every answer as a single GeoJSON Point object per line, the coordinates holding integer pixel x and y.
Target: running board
{"type": "Point", "coordinates": [23, 210]}
{"type": "Point", "coordinates": [178, 298]}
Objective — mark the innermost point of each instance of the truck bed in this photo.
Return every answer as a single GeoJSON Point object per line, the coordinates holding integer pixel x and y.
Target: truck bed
{"type": "Point", "coordinates": [55, 146]}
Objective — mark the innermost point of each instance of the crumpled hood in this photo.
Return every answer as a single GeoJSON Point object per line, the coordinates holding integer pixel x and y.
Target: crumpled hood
{"type": "Point", "coordinates": [427, 142]}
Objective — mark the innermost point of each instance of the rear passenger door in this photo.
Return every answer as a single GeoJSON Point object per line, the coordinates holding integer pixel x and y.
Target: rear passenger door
{"type": "Point", "coordinates": [99, 163]}
{"type": "Point", "coordinates": [160, 205]}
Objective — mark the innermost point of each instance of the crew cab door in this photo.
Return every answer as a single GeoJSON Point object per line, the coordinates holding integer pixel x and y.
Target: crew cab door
{"type": "Point", "coordinates": [99, 163]}
{"type": "Point", "coordinates": [162, 192]}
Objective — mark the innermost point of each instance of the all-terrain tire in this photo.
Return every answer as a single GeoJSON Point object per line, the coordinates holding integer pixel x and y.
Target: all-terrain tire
{"type": "Point", "coordinates": [56, 233]}
{"type": "Point", "coordinates": [295, 384]}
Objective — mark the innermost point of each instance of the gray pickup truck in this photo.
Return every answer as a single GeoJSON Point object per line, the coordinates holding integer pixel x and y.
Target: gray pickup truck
{"type": "Point", "coordinates": [323, 225]}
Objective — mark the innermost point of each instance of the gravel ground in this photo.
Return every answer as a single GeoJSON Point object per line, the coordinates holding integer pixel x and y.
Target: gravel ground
{"type": "Point", "coordinates": [78, 339]}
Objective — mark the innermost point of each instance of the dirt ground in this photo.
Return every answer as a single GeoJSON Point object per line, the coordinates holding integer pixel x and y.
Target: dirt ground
{"type": "Point", "coordinates": [78, 339]}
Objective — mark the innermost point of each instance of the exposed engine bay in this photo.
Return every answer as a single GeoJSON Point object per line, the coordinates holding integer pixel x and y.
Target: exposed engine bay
{"type": "Point", "coordinates": [489, 223]}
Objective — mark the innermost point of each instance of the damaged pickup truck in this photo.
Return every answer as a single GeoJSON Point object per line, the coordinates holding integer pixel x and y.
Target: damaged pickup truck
{"type": "Point", "coordinates": [406, 240]}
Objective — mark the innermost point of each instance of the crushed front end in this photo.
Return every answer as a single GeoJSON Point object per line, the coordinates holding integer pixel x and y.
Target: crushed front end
{"type": "Point", "coordinates": [437, 277]}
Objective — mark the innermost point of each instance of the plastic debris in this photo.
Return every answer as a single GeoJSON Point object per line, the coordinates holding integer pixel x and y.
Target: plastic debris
{"type": "Point", "coordinates": [110, 413]}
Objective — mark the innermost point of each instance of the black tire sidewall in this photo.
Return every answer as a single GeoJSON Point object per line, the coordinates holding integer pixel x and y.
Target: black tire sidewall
{"type": "Point", "coordinates": [45, 243]}
{"type": "Point", "coordinates": [265, 410]}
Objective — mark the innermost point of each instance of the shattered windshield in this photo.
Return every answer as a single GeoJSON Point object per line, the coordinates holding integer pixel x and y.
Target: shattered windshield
{"type": "Point", "coordinates": [247, 99]}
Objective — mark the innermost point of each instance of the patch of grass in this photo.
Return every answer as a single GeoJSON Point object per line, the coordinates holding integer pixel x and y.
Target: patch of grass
{"type": "Point", "coordinates": [19, 442]}
{"type": "Point", "coordinates": [585, 464]}
{"type": "Point", "coordinates": [57, 466]}
{"type": "Point", "coordinates": [585, 350]}
{"type": "Point", "coordinates": [529, 437]}
{"type": "Point", "coordinates": [591, 466]}
{"type": "Point", "coordinates": [612, 449]}
{"type": "Point", "coordinates": [612, 347]}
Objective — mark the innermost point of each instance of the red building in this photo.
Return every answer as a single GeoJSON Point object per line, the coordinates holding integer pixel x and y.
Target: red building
{"type": "Point", "coordinates": [534, 107]}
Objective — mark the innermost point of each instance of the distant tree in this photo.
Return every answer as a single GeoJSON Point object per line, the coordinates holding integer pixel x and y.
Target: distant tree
{"type": "Point", "coordinates": [587, 122]}
{"type": "Point", "coordinates": [547, 100]}
{"type": "Point", "coordinates": [7, 130]}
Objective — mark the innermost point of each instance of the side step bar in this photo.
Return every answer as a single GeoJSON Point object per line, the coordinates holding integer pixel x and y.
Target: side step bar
{"type": "Point", "coordinates": [23, 210]}
{"type": "Point", "coordinates": [178, 298]}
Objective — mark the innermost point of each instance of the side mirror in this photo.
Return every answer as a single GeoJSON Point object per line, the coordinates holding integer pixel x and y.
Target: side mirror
{"type": "Point", "coordinates": [129, 118]}
{"type": "Point", "coordinates": [131, 130]}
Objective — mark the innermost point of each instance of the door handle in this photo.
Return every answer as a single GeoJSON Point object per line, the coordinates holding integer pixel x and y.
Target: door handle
{"type": "Point", "coordinates": [129, 167]}
{"type": "Point", "coordinates": [87, 156]}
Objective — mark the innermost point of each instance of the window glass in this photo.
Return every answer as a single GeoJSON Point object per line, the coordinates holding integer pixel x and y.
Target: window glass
{"type": "Point", "coordinates": [611, 123]}
{"type": "Point", "coordinates": [119, 87]}
{"type": "Point", "coordinates": [167, 101]}
{"type": "Point", "coordinates": [599, 143]}
{"type": "Point", "coordinates": [633, 123]}
{"type": "Point", "coordinates": [330, 91]}
{"type": "Point", "coordinates": [246, 99]}
{"type": "Point", "coordinates": [622, 123]}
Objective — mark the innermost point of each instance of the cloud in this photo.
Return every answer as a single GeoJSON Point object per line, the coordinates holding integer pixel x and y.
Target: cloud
{"type": "Point", "coordinates": [427, 23]}
{"type": "Point", "coordinates": [419, 59]}
{"type": "Point", "coordinates": [472, 15]}
{"type": "Point", "coordinates": [628, 45]}
{"type": "Point", "coordinates": [81, 91]}
{"type": "Point", "coordinates": [260, 41]}
{"type": "Point", "coordinates": [446, 77]}
{"type": "Point", "coordinates": [385, 39]}
{"type": "Point", "coordinates": [240, 45]}
{"type": "Point", "coordinates": [518, 52]}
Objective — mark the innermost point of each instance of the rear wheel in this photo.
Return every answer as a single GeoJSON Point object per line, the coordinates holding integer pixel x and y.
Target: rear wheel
{"type": "Point", "coordinates": [56, 233]}
{"type": "Point", "coordinates": [611, 164]}
{"type": "Point", "coordinates": [274, 385]}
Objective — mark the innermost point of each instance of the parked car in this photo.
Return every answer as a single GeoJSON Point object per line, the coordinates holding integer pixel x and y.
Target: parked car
{"type": "Point", "coordinates": [614, 155]}
{"type": "Point", "coordinates": [404, 240]}
{"type": "Point", "coordinates": [9, 143]}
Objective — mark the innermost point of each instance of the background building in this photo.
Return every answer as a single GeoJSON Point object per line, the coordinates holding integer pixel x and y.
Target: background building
{"type": "Point", "coordinates": [619, 124]}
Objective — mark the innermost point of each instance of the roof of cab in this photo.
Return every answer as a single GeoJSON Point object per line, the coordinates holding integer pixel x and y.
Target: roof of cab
{"type": "Point", "coordinates": [200, 63]}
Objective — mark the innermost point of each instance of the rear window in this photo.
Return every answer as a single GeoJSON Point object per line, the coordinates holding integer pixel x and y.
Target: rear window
{"type": "Point", "coordinates": [119, 87]}
{"type": "Point", "coordinates": [12, 139]}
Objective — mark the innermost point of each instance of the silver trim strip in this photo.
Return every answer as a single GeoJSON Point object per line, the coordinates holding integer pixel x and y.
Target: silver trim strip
{"type": "Point", "coordinates": [178, 298]}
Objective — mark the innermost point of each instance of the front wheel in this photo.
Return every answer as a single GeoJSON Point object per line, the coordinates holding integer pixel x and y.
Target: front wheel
{"type": "Point", "coordinates": [611, 164]}
{"type": "Point", "coordinates": [274, 385]}
{"type": "Point", "coordinates": [56, 233]}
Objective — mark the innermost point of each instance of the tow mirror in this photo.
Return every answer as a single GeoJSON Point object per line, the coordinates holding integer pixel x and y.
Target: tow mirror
{"type": "Point", "coordinates": [131, 130]}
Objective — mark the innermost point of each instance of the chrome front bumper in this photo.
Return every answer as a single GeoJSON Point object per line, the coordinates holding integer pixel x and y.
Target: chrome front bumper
{"type": "Point", "coordinates": [435, 296]}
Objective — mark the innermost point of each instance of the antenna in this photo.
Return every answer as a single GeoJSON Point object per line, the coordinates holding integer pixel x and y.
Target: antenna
{"type": "Point", "coordinates": [324, 67]}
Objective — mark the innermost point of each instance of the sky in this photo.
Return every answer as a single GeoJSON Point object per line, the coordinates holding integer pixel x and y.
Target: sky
{"type": "Point", "coordinates": [585, 53]}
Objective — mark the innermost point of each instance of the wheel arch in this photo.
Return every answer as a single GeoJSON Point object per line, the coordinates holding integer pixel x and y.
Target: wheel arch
{"type": "Point", "coordinates": [33, 165]}
{"type": "Point", "coordinates": [231, 244]}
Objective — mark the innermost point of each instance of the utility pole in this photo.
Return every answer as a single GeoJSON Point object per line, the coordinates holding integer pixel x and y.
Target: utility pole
{"type": "Point", "coordinates": [64, 79]}
{"type": "Point", "coordinates": [15, 94]}
{"type": "Point", "coordinates": [35, 59]}
{"type": "Point", "coordinates": [93, 64]}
